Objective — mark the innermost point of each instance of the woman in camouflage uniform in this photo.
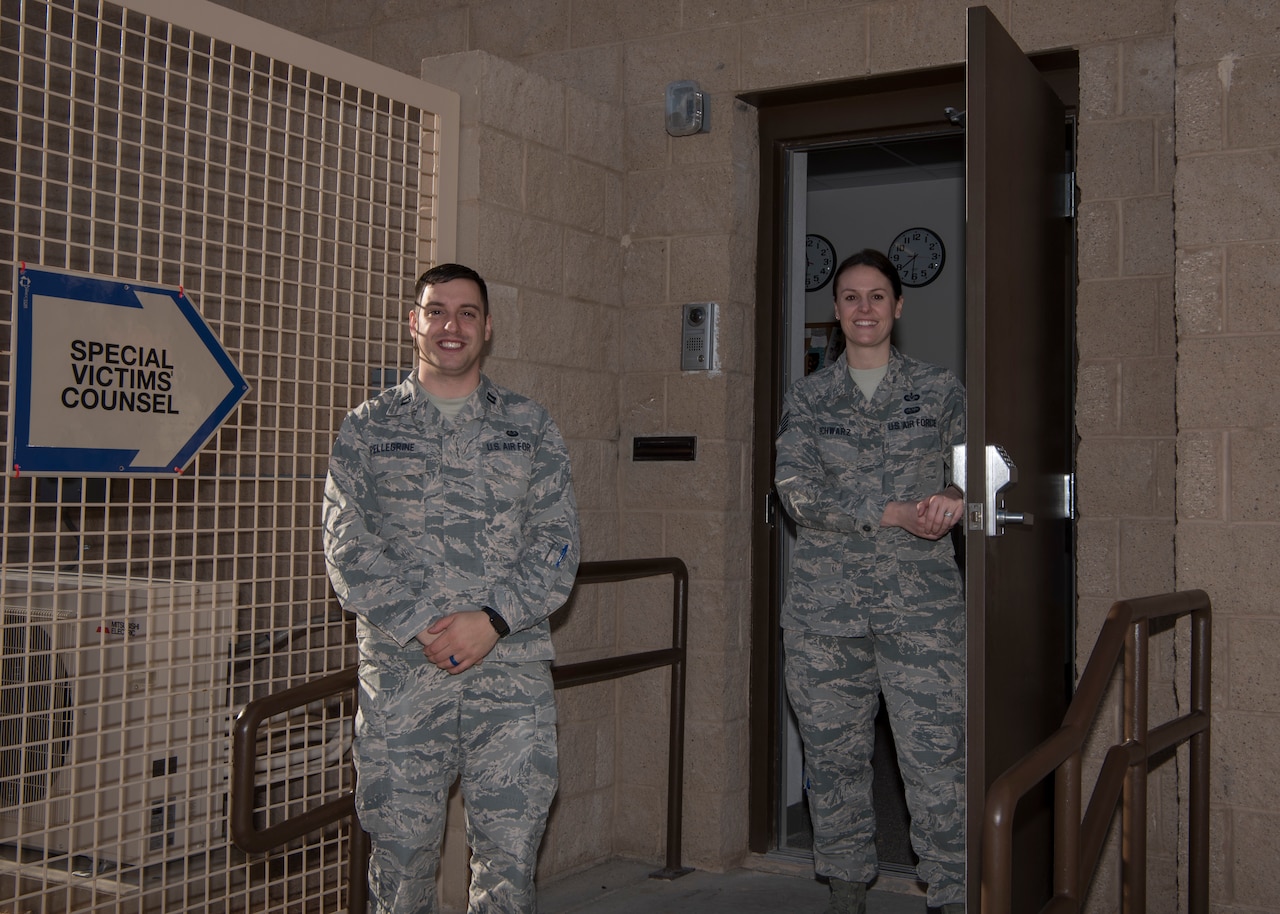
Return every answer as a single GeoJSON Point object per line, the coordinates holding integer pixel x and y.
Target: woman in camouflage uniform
{"type": "Point", "coordinates": [874, 598]}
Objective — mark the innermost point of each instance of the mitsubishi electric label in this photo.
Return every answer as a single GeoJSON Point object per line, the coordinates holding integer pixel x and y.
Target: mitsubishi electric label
{"type": "Point", "coordinates": [113, 378]}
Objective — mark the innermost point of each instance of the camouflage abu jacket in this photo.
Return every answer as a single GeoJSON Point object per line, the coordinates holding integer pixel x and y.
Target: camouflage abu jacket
{"type": "Point", "coordinates": [422, 519]}
{"type": "Point", "coordinates": [840, 460]}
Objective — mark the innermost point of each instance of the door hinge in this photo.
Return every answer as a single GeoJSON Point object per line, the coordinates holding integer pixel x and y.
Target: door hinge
{"type": "Point", "coordinates": [1065, 205]}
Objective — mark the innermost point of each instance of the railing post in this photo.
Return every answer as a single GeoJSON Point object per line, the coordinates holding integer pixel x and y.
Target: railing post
{"type": "Point", "coordinates": [675, 750]}
{"type": "Point", "coordinates": [1066, 825]}
{"type": "Point", "coordinates": [358, 869]}
{"type": "Point", "coordinates": [1133, 840]}
{"type": "Point", "coordinates": [1198, 815]}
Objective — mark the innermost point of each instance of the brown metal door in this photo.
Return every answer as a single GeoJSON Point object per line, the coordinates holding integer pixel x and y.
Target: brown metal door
{"type": "Point", "coordinates": [1018, 375]}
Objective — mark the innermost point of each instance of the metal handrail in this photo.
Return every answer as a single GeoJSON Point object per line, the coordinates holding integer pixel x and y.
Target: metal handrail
{"type": "Point", "coordinates": [1122, 780]}
{"type": "Point", "coordinates": [251, 839]}
{"type": "Point", "coordinates": [244, 745]}
{"type": "Point", "coordinates": [626, 664]}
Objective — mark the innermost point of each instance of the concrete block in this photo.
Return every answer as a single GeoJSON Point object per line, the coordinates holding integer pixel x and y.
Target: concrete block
{"type": "Point", "coordinates": [1147, 229]}
{"type": "Point", "coordinates": [1098, 398]}
{"type": "Point", "coordinates": [1117, 158]}
{"type": "Point", "coordinates": [639, 821]}
{"type": "Point", "coordinates": [1232, 564]}
{"type": "Point", "coordinates": [926, 32]}
{"type": "Point", "coordinates": [717, 408]}
{"type": "Point", "coordinates": [1147, 397]}
{"type": "Point", "coordinates": [1209, 32]}
{"type": "Point", "coordinates": [692, 198]}
{"type": "Point", "coordinates": [559, 331]}
{"type": "Point", "coordinates": [1098, 239]}
{"type": "Point", "coordinates": [595, 274]}
{"type": "Point", "coordinates": [564, 190]}
{"type": "Point", "coordinates": [586, 402]}
{"type": "Point", "coordinates": [643, 410]}
{"type": "Point", "coordinates": [707, 13]}
{"type": "Point", "coordinates": [595, 72]}
{"type": "Point", "coordinates": [1200, 291]}
{"type": "Point", "coordinates": [1201, 465]}
{"type": "Point", "coordinates": [709, 56]}
{"type": "Point", "coordinates": [1099, 81]}
{"type": "Point", "coordinates": [1146, 78]}
{"type": "Point", "coordinates": [496, 172]}
{"type": "Point", "coordinates": [653, 339]}
{"type": "Point", "coordinates": [1036, 26]}
{"type": "Point", "coordinates": [1097, 567]}
{"type": "Point", "coordinates": [1200, 109]}
{"type": "Point", "coordinates": [604, 22]}
{"type": "Point", "coordinates": [504, 316]}
{"type": "Point", "coordinates": [645, 534]}
{"type": "Point", "coordinates": [1228, 197]}
{"type": "Point", "coordinates": [1116, 477]}
{"type": "Point", "coordinates": [595, 130]}
{"type": "Point", "coordinates": [1146, 557]}
{"type": "Point", "coordinates": [1242, 749]}
{"type": "Point", "coordinates": [1117, 318]}
{"type": "Point", "coordinates": [1225, 383]}
{"type": "Point", "coordinates": [645, 270]}
{"type": "Point", "coordinates": [1253, 486]}
{"type": "Point", "coordinates": [1253, 287]}
{"type": "Point", "coordinates": [794, 49]}
{"type": "Point", "coordinates": [521, 251]}
{"type": "Point", "coordinates": [647, 142]}
{"type": "Point", "coordinates": [1254, 875]}
{"type": "Point", "coordinates": [401, 42]}
{"type": "Point", "coordinates": [700, 268]}
{"type": "Point", "coordinates": [515, 28]}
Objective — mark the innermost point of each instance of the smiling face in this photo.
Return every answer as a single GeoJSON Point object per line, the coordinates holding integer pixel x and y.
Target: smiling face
{"type": "Point", "coordinates": [866, 309]}
{"type": "Point", "coordinates": [450, 326]}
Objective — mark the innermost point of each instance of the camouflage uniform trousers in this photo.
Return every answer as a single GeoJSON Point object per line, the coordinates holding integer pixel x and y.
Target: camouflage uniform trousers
{"type": "Point", "coordinates": [833, 684]}
{"type": "Point", "coordinates": [418, 730]}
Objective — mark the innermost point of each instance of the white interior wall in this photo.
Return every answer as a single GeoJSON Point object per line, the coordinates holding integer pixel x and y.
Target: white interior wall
{"type": "Point", "coordinates": [853, 218]}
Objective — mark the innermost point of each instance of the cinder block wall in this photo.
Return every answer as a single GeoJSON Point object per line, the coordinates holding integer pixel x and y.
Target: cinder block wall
{"type": "Point", "coordinates": [1227, 196]}
{"type": "Point", "coordinates": [1176, 409]}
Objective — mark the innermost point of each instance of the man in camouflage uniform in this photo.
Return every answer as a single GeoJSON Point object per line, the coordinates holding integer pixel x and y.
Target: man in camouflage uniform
{"type": "Point", "coordinates": [874, 599]}
{"type": "Point", "coordinates": [450, 531]}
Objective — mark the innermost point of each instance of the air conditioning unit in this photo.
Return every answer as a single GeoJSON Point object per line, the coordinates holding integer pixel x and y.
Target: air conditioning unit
{"type": "Point", "coordinates": [113, 718]}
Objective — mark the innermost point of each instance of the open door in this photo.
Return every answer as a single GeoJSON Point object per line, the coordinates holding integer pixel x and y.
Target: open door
{"type": "Point", "coordinates": [1018, 461]}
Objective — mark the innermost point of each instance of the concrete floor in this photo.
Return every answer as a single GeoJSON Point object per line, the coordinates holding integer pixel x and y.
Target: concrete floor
{"type": "Point", "coordinates": [769, 886]}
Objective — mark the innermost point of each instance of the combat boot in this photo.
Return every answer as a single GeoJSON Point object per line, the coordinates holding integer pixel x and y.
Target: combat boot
{"type": "Point", "coordinates": [848, 897]}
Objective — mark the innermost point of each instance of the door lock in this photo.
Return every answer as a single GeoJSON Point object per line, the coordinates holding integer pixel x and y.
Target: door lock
{"type": "Point", "coordinates": [990, 515]}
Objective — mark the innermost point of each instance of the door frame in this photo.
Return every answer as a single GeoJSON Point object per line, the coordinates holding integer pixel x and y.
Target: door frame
{"type": "Point", "coordinates": [896, 106]}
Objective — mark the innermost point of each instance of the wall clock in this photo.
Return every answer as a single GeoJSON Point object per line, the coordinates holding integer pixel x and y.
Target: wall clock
{"type": "Point", "coordinates": [819, 262]}
{"type": "Point", "coordinates": [919, 255]}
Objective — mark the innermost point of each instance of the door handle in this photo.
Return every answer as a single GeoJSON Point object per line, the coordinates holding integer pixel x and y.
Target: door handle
{"type": "Point", "coordinates": [989, 515]}
{"type": "Point", "coordinates": [1009, 517]}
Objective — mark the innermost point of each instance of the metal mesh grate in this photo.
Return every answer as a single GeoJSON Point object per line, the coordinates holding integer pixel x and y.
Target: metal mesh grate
{"type": "Point", "coordinates": [140, 613]}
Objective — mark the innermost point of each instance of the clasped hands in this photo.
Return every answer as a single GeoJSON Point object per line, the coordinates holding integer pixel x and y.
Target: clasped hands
{"type": "Point", "coordinates": [930, 518]}
{"type": "Point", "coordinates": [458, 641]}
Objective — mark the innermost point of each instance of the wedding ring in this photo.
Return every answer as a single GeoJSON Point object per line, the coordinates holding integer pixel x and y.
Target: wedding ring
{"type": "Point", "coordinates": [948, 514]}
{"type": "Point", "coordinates": [452, 660]}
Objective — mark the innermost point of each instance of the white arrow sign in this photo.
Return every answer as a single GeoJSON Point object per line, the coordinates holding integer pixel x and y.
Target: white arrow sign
{"type": "Point", "coordinates": [113, 378]}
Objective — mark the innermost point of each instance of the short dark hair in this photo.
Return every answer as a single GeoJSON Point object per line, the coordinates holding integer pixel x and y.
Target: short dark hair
{"type": "Point", "coordinates": [870, 257]}
{"type": "Point", "coordinates": [446, 272]}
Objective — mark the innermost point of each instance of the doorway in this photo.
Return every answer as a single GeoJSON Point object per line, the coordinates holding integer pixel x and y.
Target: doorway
{"type": "Point", "coordinates": [820, 125]}
{"type": "Point", "coordinates": [844, 197]}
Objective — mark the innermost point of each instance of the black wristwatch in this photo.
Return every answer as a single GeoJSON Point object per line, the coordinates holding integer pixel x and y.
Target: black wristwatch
{"type": "Point", "coordinates": [499, 624]}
